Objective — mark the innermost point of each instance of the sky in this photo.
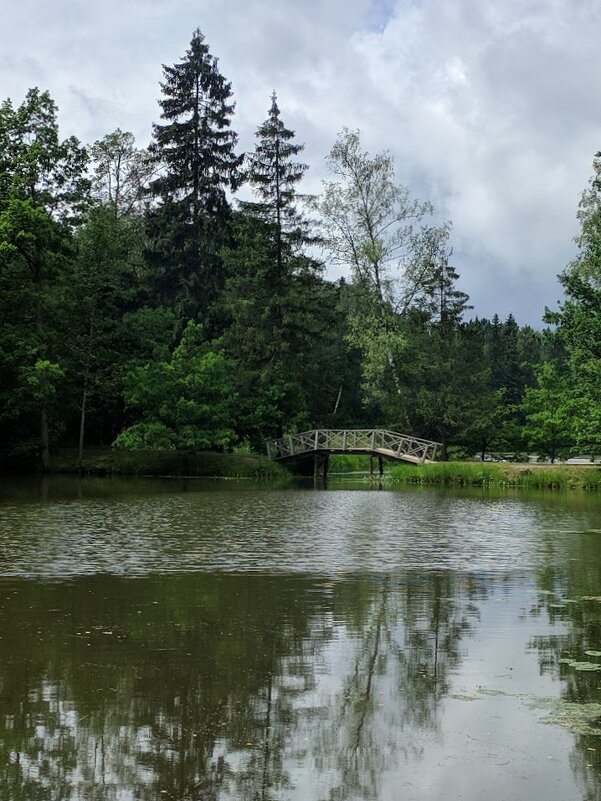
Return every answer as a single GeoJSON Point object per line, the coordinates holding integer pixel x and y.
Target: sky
{"type": "Point", "coordinates": [491, 110]}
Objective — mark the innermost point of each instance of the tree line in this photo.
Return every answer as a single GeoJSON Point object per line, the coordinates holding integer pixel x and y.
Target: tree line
{"type": "Point", "coordinates": [143, 305]}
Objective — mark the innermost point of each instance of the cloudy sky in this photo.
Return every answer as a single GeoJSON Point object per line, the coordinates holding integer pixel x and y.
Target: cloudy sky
{"type": "Point", "coordinates": [492, 110]}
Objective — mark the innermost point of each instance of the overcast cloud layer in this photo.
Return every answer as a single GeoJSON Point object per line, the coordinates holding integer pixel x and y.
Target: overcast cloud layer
{"type": "Point", "coordinates": [491, 110]}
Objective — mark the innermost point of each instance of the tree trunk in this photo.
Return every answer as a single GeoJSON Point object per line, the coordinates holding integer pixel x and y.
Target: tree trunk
{"type": "Point", "coordinates": [84, 397]}
{"type": "Point", "coordinates": [45, 450]}
{"type": "Point", "coordinates": [82, 424]}
{"type": "Point", "coordinates": [39, 324]}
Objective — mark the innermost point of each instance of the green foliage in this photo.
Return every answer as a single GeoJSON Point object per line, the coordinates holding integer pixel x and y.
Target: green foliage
{"type": "Point", "coordinates": [273, 176]}
{"type": "Point", "coordinates": [131, 462]}
{"type": "Point", "coordinates": [548, 409]}
{"type": "Point", "coordinates": [194, 151]}
{"type": "Point", "coordinates": [186, 402]}
{"type": "Point", "coordinates": [372, 226]}
{"type": "Point", "coordinates": [121, 173]}
{"type": "Point", "coordinates": [36, 165]}
{"type": "Point", "coordinates": [41, 380]}
{"type": "Point", "coordinates": [579, 320]}
{"type": "Point", "coordinates": [278, 305]}
{"type": "Point", "coordinates": [278, 333]}
{"type": "Point", "coordinates": [43, 192]}
{"type": "Point", "coordinates": [344, 463]}
{"type": "Point", "coordinates": [195, 144]}
{"type": "Point", "coordinates": [138, 308]}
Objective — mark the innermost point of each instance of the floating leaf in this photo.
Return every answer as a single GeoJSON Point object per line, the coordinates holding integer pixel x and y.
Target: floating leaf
{"type": "Point", "coordinates": [585, 665]}
{"type": "Point", "coordinates": [593, 653]}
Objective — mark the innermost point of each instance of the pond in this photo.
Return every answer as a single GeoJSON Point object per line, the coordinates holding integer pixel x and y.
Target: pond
{"type": "Point", "coordinates": [220, 640]}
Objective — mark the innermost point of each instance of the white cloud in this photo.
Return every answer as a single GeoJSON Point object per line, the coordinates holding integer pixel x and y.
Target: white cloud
{"type": "Point", "coordinates": [490, 109]}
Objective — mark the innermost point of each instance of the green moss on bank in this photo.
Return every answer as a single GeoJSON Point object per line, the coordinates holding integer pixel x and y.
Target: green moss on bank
{"type": "Point", "coordinates": [112, 461]}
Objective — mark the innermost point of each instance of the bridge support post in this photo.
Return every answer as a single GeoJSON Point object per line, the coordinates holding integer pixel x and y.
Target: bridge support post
{"type": "Point", "coordinates": [381, 465]}
{"type": "Point", "coordinates": [315, 465]}
{"type": "Point", "coordinates": [326, 460]}
{"type": "Point", "coordinates": [371, 466]}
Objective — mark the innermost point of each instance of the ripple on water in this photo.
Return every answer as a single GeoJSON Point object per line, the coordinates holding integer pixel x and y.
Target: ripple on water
{"type": "Point", "coordinates": [340, 532]}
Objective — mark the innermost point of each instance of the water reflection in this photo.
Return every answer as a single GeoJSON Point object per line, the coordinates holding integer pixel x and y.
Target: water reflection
{"type": "Point", "coordinates": [220, 687]}
{"type": "Point", "coordinates": [249, 687]}
{"type": "Point", "coordinates": [297, 646]}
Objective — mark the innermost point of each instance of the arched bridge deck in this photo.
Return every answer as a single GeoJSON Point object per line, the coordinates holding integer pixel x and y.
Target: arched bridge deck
{"type": "Point", "coordinates": [371, 441]}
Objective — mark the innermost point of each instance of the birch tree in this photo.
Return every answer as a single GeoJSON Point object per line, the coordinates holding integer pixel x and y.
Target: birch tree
{"type": "Point", "coordinates": [372, 226]}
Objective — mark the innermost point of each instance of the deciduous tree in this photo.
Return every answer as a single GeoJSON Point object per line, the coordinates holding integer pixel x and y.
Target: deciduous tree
{"type": "Point", "coordinates": [43, 190]}
{"type": "Point", "coordinates": [371, 225]}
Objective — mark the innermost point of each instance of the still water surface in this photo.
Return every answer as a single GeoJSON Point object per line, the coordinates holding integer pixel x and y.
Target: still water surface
{"type": "Point", "coordinates": [194, 640]}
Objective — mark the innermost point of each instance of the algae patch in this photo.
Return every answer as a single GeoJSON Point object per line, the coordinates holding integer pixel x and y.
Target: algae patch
{"type": "Point", "coordinates": [578, 718]}
{"type": "Point", "coordinates": [459, 697]}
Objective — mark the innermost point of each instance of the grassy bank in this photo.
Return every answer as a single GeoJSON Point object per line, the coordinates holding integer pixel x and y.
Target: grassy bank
{"type": "Point", "coordinates": [111, 461]}
{"type": "Point", "coordinates": [476, 474]}
{"type": "Point", "coordinates": [472, 474]}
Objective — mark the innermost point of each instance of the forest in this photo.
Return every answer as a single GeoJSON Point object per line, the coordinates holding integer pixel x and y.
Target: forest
{"type": "Point", "coordinates": [145, 306]}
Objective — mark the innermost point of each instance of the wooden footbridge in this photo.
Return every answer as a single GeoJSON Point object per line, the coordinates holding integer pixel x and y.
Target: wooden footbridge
{"type": "Point", "coordinates": [319, 444]}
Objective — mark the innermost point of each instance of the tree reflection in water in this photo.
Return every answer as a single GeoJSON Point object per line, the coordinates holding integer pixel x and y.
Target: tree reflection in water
{"type": "Point", "coordinates": [217, 687]}
{"type": "Point", "coordinates": [405, 641]}
{"type": "Point", "coordinates": [571, 594]}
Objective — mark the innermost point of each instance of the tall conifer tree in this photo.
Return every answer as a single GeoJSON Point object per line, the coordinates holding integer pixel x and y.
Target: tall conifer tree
{"type": "Point", "coordinates": [275, 322]}
{"type": "Point", "coordinates": [273, 176]}
{"type": "Point", "coordinates": [195, 147]}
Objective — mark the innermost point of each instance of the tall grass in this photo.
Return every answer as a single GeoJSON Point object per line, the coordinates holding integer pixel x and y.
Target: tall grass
{"type": "Point", "coordinates": [461, 474]}
{"type": "Point", "coordinates": [343, 463]}
{"type": "Point", "coordinates": [449, 474]}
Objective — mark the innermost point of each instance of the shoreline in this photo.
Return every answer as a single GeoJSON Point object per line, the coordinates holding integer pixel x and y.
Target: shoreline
{"type": "Point", "coordinates": [101, 462]}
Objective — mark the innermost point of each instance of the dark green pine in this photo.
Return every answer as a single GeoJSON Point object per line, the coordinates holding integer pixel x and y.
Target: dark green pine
{"type": "Point", "coordinates": [273, 175]}
{"type": "Point", "coordinates": [195, 150]}
{"type": "Point", "coordinates": [196, 144]}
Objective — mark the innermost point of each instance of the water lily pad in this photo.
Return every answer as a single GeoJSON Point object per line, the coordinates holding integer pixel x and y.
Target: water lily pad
{"type": "Point", "coordinates": [590, 597]}
{"type": "Point", "coordinates": [593, 653]}
{"type": "Point", "coordinates": [585, 665]}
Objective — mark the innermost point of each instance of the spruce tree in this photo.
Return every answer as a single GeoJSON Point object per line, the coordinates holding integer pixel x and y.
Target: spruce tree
{"type": "Point", "coordinates": [273, 176]}
{"type": "Point", "coordinates": [195, 148]}
{"type": "Point", "coordinates": [447, 386]}
{"type": "Point", "coordinates": [276, 324]}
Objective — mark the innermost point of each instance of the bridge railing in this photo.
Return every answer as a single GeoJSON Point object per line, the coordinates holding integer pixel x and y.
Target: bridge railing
{"type": "Point", "coordinates": [390, 443]}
